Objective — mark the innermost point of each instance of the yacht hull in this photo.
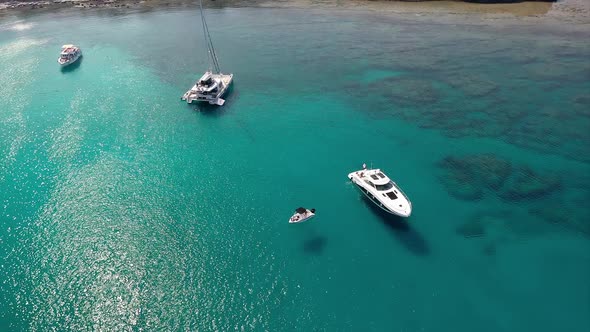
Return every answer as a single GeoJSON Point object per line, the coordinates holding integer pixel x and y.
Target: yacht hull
{"type": "Point", "coordinates": [401, 206]}
{"type": "Point", "coordinates": [376, 202]}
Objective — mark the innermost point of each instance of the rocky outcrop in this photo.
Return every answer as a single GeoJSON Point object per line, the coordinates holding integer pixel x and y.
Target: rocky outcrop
{"type": "Point", "coordinates": [506, 1]}
{"type": "Point", "coordinates": [471, 85]}
{"type": "Point", "coordinates": [570, 214]}
{"type": "Point", "coordinates": [408, 91]}
{"type": "Point", "coordinates": [528, 184]}
{"type": "Point", "coordinates": [541, 193]}
{"type": "Point", "coordinates": [473, 176]}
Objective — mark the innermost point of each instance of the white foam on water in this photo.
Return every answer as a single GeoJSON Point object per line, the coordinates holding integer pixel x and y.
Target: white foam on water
{"type": "Point", "coordinates": [15, 82]}
{"type": "Point", "coordinates": [17, 26]}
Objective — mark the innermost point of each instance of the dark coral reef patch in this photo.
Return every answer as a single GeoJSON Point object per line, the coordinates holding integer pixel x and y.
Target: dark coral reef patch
{"type": "Point", "coordinates": [528, 184]}
{"type": "Point", "coordinates": [572, 214]}
{"type": "Point", "coordinates": [470, 177]}
{"type": "Point", "coordinates": [472, 85]}
{"type": "Point", "coordinates": [544, 198]}
{"type": "Point", "coordinates": [550, 114]}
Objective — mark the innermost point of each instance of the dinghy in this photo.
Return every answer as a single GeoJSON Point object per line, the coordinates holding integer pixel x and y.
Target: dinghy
{"type": "Point", "coordinates": [301, 215]}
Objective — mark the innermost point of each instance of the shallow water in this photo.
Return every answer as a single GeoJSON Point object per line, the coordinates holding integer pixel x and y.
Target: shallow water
{"type": "Point", "coordinates": [123, 208]}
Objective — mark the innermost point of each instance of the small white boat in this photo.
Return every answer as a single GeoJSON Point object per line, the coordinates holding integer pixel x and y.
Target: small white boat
{"type": "Point", "coordinates": [301, 215]}
{"type": "Point", "coordinates": [69, 54]}
{"type": "Point", "coordinates": [385, 193]}
{"type": "Point", "coordinates": [210, 88]}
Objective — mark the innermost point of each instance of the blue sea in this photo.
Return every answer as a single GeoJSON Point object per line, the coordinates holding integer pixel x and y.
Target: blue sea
{"type": "Point", "coordinates": [124, 209]}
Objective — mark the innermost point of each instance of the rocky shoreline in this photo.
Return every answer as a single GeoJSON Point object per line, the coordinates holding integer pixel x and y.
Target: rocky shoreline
{"type": "Point", "coordinates": [558, 8]}
{"type": "Point", "coordinates": [25, 5]}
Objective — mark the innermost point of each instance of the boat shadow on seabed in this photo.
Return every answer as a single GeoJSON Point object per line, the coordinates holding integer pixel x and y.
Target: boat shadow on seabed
{"type": "Point", "coordinates": [411, 239]}
{"type": "Point", "coordinates": [315, 244]}
{"type": "Point", "coordinates": [73, 66]}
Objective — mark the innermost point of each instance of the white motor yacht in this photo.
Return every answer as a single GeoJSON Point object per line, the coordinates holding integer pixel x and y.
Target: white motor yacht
{"type": "Point", "coordinates": [210, 88]}
{"type": "Point", "coordinates": [69, 54]}
{"type": "Point", "coordinates": [301, 215]}
{"type": "Point", "coordinates": [382, 191]}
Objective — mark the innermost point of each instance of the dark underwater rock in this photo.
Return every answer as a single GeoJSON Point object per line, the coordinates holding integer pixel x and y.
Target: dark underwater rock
{"type": "Point", "coordinates": [406, 91]}
{"type": "Point", "coordinates": [469, 176]}
{"type": "Point", "coordinates": [485, 223]}
{"type": "Point", "coordinates": [573, 215]}
{"type": "Point", "coordinates": [581, 105]}
{"type": "Point", "coordinates": [565, 72]}
{"type": "Point", "coordinates": [459, 185]}
{"type": "Point", "coordinates": [489, 249]}
{"type": "Point", "coordinates": [528, 184]}
{"type": "Point", "coordinates": [471, 85]}
{"type": "Point", "coordinates": [471, 229]}
{"type": "Point", "coordinates": [494, 171]}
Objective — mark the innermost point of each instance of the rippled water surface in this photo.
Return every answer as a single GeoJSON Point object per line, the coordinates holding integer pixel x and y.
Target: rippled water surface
{"type": "Point", "coordinates": [124, 209]}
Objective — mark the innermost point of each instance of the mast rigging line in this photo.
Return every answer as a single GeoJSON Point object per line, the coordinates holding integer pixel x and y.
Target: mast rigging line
{"type": "Point", "coordinates": [210, 49]}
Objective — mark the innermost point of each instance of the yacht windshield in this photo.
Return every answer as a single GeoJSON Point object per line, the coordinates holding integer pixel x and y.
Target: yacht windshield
{"type": "Point", "coordinates": [383, 187]}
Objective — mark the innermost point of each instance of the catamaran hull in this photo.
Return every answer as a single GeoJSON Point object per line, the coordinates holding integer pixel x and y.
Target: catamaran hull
{"type": "Point", "coordinates": [192, 95]}
{"type": "Point", "coordinates": [67, 63]}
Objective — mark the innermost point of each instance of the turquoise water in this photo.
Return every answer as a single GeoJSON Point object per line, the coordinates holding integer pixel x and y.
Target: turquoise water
{"type": "Point", "coordinates": [125, 209]}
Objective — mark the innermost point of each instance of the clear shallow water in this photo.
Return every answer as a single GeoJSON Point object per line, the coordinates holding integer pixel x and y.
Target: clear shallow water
{"type": "Point", "coordinates": [123, 208]}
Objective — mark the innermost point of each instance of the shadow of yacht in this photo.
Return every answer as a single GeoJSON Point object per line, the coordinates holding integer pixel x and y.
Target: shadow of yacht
{"type": "Point", "coordinates": [73, 66]}
{"type": "Point", "coordinates": [407, 236]}
{"type": "Point", "coordinates": [315, 245]}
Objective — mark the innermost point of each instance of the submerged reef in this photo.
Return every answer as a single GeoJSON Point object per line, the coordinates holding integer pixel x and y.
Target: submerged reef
{"type": "Point", "coordinates": [571, 213]}
{"type": "Point", "coordinates": [528, 184]}
{"type": "Point", "coordinates": [541, 196]}
{"type": "Point", "coordinates": [470, 177]}
{"type": "Point", "coordinates": [408, 91]}
{"type": "Point", "coordinates": [473, 86]}
{"type": "Point", "coordinates": [476, 107]}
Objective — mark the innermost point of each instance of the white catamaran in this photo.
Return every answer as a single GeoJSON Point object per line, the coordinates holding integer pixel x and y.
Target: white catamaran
{"type": "Point", "coordinates": [213, 84]}
{"type": "Point", "coordinates": [69, 54]}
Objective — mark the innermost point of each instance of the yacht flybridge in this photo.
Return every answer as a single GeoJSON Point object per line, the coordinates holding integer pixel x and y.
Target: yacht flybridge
{"type": "Point", "coordinates": [382, 191]}
{"type": "Point", "coordinates": [213, 84]}
{"type": "Point", "coordinates": [69, 54]}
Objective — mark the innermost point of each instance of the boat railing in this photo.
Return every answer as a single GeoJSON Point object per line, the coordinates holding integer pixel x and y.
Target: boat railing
{"type": "Point", "coordinates": [402, 192]}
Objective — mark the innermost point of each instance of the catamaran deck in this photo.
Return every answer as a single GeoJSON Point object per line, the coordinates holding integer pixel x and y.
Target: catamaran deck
{"type": "Point", "coordinates": [195, 93]}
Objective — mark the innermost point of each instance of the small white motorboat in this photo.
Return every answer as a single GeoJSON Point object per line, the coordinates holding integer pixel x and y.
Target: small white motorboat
{"type": "Point", "coordinates": [385, 193]}
{"type": "Point", "coordinates": [69, 54]}
{"type": "Point", "coordinates": [301, 215]}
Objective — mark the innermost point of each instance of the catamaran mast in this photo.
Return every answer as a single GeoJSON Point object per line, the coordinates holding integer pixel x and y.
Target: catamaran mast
{"type": "Point", "coordinates": [210, 50]}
